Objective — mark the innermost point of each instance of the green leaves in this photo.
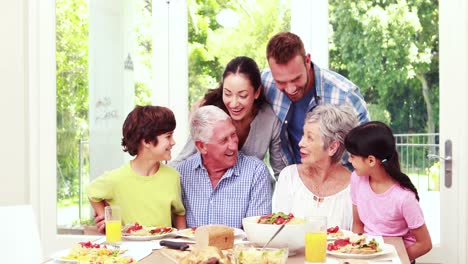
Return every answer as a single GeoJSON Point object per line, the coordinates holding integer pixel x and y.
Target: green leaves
{"type": "Point", "coordinates": [382, 46]}
{"type": "Point", "coordinates": [212, 46]}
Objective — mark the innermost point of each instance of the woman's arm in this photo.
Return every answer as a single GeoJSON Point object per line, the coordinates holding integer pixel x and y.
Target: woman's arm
{"type": "Point", "coordinates": [276, 153]}
{"type": "Point", "coordinates": [358, 225]}
{"type": "Point", "coordinates": [423, 243]}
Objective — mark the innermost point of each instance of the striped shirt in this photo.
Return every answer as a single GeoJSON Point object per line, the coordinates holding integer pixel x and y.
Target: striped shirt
{"type": "Point", "coordinates": [331, 87]}
{"type": "Point", "coordinates": [244, 190]}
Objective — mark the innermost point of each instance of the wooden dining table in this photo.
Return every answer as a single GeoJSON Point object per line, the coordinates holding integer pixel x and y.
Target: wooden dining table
{"type": "Point", "coordinates": [161, 256]}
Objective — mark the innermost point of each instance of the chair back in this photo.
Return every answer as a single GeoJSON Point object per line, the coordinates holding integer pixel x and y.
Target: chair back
{"type": "Point", "coordinates": [19, 236]}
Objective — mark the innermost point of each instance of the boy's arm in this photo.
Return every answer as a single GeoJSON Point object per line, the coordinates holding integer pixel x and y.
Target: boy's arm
{"type": "Point", "coordinates": [99, 214]}
{"type": "Point", "coordinates": [358, 226]}
{"type": "Point", "coordinates": [179, 222]}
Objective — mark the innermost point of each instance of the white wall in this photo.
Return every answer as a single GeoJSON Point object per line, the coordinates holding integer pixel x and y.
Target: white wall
{"type": "Point", "coordinates": [14, 187]}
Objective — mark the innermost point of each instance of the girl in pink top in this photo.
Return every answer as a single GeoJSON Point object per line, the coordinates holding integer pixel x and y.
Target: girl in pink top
{"type": "Point", "coordinates": [385, 202]}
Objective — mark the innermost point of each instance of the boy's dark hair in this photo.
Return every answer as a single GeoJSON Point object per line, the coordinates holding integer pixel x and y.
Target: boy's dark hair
{"type": "Point", "coordinates": [376, 138]}
{"type": "Point", "coordinates": [239, 65]}
{"type": "Point", "coordinates": [147, 123]}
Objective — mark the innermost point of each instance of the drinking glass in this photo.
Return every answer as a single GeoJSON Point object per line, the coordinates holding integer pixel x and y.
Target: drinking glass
{"type": "Point", "coordinates": [113, 218]}
{"type": "Point", "coordinates": [316, 239]}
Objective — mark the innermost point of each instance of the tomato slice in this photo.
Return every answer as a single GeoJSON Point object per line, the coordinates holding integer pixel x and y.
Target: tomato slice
{"type": "Point", "coordinates": [333, 229]}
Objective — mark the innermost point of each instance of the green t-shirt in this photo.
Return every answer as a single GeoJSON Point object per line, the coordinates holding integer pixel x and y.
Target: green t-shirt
{"type": "Point", "coordinates": [148, 200]}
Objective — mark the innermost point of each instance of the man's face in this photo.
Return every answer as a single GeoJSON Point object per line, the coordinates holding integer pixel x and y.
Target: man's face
{"type": "Point", "coordinates": [221, 150]}
{"type": "Point", "coordinates": [291, 78]}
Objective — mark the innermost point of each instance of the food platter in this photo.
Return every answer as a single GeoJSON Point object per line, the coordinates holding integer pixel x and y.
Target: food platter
{"type": "Point", "coordinates": [146, 233]}
{"type": "Point", "coordinates": [340, 234]}
{"type": "Point", "coordinates": [60, 256]}
{"type": "Point", "coordinates": [95, 253]}
{"type": "Point", "coordinates": [147, 237]}
{"type": "Point", "coordinates": [386, 249]}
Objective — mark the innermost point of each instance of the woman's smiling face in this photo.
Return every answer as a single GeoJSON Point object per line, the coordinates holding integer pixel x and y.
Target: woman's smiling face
{"type": "Point", "coordinates": [239, 96]}
{"type": "Point", "coordinates": [311, 146]}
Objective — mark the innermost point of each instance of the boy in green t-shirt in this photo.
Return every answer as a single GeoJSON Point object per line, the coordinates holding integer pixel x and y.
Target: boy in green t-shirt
{"type": "Point", "coordinates": [147, 190]}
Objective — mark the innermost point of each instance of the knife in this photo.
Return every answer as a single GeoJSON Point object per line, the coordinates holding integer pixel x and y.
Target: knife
{"type": "Point", "coordinates": [174, 245]}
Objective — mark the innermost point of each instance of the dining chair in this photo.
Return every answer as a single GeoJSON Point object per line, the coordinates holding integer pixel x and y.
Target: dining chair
{"type": "Point", "coordinates": [19, 236]}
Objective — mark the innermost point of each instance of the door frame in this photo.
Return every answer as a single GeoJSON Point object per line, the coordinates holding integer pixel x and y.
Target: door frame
{"type": "Point", "coordinates": [453, 116]}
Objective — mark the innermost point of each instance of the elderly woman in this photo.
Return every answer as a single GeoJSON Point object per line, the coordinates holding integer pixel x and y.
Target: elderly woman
{"type": "Point", "coordinates": [321, 184]}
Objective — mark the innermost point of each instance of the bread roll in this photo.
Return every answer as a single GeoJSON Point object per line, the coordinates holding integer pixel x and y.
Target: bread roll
{"type": "Point", "coordinates": [219, 236]}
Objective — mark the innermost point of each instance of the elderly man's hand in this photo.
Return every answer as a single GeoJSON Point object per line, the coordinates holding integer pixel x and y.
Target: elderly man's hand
{"type": "Point", "coordinates": [100, 223]}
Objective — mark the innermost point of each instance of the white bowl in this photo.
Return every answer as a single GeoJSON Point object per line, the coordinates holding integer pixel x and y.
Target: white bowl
{"type": "Point", "coordinates": [292, 234]}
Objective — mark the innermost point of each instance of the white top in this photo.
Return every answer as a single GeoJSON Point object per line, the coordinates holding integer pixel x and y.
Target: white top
{"type": "Point", "coordinates": [292, 196]}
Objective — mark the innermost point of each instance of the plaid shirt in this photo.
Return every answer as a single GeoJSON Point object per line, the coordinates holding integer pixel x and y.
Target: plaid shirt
{"type": "Point", "coordinates": [331, 88]}
{"type": "Point", "coordinates": [244, 190]}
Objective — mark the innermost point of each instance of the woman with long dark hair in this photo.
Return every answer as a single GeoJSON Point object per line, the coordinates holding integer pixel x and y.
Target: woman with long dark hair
{"type": "Point", "coordinates": [240, 95]}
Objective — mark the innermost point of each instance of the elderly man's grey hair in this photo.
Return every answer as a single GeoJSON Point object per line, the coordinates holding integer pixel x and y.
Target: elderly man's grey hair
{"type": "Point", "coordinates": [204, 120]}
{"type": "Point", "coordinates": [334, 121]}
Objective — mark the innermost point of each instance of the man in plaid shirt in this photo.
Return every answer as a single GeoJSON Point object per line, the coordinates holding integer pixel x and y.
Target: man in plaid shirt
{"type": "Point", "coordinates": [294, 85]}
{"type": "Point", "coordinates": [220, 185]}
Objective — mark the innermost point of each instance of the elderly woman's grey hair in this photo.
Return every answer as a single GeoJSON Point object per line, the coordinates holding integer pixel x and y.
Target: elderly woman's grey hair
{"type": "Point", "coordinates": [203, 121]}
{"type": "Point", "coordinates": [334, 121]}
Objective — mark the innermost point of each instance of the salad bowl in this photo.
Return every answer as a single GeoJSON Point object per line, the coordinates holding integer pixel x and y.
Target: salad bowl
{"type": "Point", "coordinates": [292, 235]}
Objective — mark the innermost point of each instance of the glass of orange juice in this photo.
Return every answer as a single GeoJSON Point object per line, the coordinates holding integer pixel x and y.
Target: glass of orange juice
{"type": "Point", "coordinates": [316, 239]}
{"type": "Point", "coordinates": [113, 218]}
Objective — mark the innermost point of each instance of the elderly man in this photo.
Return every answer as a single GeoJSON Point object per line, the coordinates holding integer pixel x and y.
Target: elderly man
{"type": "Point", "coordinates": [219, 184]}
{"type": "Point", "coordinates": [294, 86]}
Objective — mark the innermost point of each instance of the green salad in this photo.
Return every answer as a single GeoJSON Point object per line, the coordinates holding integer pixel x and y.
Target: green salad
{"type": "Point", "coordinates": [257, 256]}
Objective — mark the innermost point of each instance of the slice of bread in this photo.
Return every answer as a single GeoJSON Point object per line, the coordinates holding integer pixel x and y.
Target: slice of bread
{"type": "Point", "coordinates": [219, 236]}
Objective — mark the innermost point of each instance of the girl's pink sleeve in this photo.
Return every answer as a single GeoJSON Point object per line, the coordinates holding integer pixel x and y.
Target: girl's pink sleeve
{"type": "Point", "coordinates": [412, 212]}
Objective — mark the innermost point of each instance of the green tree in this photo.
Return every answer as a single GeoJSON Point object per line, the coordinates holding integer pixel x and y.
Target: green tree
{"type": "Point", "coordinates": [72, 79]}
{"type": "Point", "coordinates": [212, 46]}
{"type": "Point", "coordinates": [258, 22]}
{"type": "Point", "coordinates": [72, 42]}
{"type": "Point", "coordinates": [389, 49]}
{"type": "Point", "coordinates": [144, 49]}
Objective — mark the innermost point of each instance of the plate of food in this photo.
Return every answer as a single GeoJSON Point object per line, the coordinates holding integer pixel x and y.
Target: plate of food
{"type": "Point", "coordinates": [334, 233]}
{"type": "Point", "coordinates": [351, 248]}
{"type": "Point", "coordinates": [190, 233]}
{"type": "Point", "coordinates": [88, 252]}
{"type": "Point", "coordinates": [138, 232]}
